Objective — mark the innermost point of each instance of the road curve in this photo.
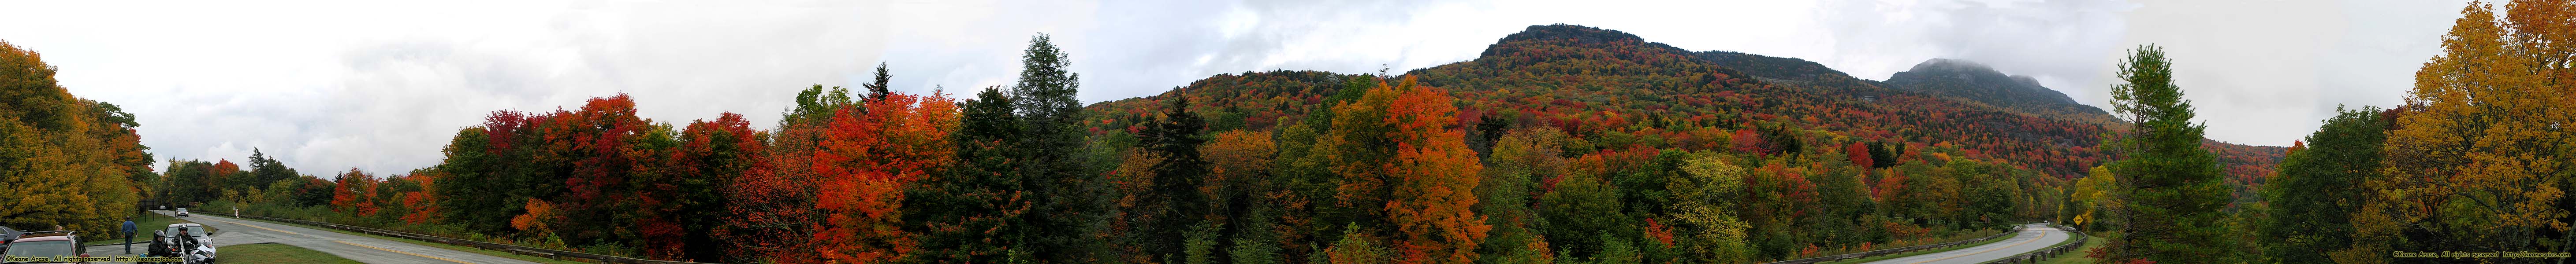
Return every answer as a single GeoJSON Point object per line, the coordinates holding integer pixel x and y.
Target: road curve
{"type": "Point", "coordinates": [233, 231]}
{"type": "Point", "coordinates": [2033, 237]}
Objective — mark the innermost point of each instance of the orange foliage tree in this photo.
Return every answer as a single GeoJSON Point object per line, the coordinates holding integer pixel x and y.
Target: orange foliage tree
{"type": "Point", "coordinates": [422, 204]}
{"type": "Point", "coordinates": [862, 164]}
{"type": "Point", "coordinates": [1434, 178]}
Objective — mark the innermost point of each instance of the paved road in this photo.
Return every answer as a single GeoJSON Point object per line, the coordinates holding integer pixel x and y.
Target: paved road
{"type": "Point", "coordinates": [232, 231]}
{"type": "Point", "coordinates": [2033, 237]}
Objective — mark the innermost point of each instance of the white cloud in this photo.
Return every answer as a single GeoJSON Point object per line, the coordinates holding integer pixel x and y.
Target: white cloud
{"type": "Point", "coordinates": [2269, 72]}
{"type": "Point", "coordinates": [329, 85]}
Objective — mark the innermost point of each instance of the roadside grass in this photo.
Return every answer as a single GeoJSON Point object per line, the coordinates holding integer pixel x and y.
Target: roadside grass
{"type": "Point", "coordinates": [423, 243]}
{"type": "Point", "coordinates": [144, 224]}
{"type": "Point", "coordinates": [275, 253]}
{"type": "Point", "coordinates": [1928, 251]}
{"type": "Point", "coordinates": [2077, 257]}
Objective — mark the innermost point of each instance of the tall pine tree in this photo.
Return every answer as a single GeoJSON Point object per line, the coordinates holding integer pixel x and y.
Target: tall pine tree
{"type": "Point", "coordinates": [1068, 199]}
{"type": "Point", "coordinates": [970, 213]}
{"type": "Point", "coordinates": [266, 169]}
{"type": "Point", "coordinates": [2171, 185]}
{"type": "Point", "coordinates": [1175, 197]}
{"type": "Point", "coordinates": [878, 89]}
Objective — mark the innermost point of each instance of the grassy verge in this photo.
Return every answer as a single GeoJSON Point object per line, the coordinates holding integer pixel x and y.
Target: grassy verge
{"type": "Point", "coordinates": [275, 253]}
{"type": "Point", "coordinates": [1920, 252]}
{"type": "Point", "coordinates": [2077, 257]}
{"type": "Point", "coordinates": [144, 224]}
{"type": "Point", "coordinates": [423, 243]}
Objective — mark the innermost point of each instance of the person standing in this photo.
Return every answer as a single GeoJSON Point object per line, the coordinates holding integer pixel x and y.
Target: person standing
{"type": "Point", "coordinates": [129, 236]}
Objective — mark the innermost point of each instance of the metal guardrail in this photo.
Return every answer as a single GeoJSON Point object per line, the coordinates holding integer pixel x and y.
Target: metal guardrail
{"type": "Point", "coordinates": [1892, 251]}
{"type": "Point", "coordinates": [2050, 252]}
{"type": "Point", "coordinates": [512, 249]}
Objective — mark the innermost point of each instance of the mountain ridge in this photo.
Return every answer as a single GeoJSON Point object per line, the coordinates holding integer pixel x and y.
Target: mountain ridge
{"type": "Point", "coordinates": [1972, 81]}
{"type": "Point", "coordinates": [1601, 82]}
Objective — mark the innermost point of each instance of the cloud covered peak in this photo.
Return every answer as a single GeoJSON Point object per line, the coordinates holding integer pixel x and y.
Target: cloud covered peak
{"type": "Point", "coordinates": [1568, 35]}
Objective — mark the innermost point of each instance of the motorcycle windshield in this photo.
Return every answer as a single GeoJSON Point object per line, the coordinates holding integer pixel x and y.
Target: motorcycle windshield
{"type": "Point", "coordinates": [193, 232]}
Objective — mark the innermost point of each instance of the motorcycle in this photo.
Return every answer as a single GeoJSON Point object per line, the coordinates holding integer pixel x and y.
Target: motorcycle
{"type": "Point", "coordinates": [192, 251]}
{"type": "Point", "coordinates": [161, 246]}
{"type": "Point", "coordinates": [200, 255]}
{"type": "Point", "coordinates": [181, 246]}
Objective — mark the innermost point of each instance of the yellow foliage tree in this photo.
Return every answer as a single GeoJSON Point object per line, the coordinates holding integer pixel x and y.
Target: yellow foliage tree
{"type": "Point", "coordinates": [64, 161]}
{"type": "Point", "coordinates": [2092, 193]}
{"type": "Point", "coordinates": [2480, 150]}
{"type": "Point", "coordinates": [1700, 199]}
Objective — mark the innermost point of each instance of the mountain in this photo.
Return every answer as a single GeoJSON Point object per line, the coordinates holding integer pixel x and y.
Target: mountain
{"type": "Point", "coordinates": [1782, 70]}
{"type": "Point", "coordinates": [1979, 83]}
{"type": "Point", "coordinates": [1631, 110]}
{"type": "Point", "coordinates": [1625, 92]}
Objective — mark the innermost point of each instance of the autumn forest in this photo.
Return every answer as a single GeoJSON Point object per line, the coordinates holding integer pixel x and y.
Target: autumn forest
{"type": "Point", "coordinates": [1559, 144]}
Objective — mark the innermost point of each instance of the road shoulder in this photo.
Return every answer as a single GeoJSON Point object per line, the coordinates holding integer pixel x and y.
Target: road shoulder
{"type": "Point", "coordinates": [425, 243]}
{"type": "Point", "coordinates": [277, 253]}
{"type": "Point", "coordinates": [2001, 248]}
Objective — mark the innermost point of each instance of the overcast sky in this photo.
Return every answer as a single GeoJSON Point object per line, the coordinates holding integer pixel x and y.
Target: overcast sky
{"type": "Point", "coordinates": [332, 85]}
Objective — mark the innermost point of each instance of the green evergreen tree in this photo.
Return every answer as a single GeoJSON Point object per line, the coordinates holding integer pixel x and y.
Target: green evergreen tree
{"type": "Point", "coordinates": [970, 213]}
{"type": "Point", "coordinates": [1069, 199]}
{"type": "Point", "coordinates": [2313, 196]}
{"type": "Point", "coordinates": [2171, 186]}
{"type": "Point", "coordinates": [265, 169]}
{"type": "Point", "coordinates": [878, 89]}
{"type": "Point", "coordinates": [1175, 203]}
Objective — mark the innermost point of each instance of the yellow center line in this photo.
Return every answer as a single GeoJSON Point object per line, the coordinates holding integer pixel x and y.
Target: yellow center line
{"type": "Point", "coordinates": [253, 226]}
{"type": "Point", "coordinates": [2042, 235]}
{"type": "Point", "coordinates": [404, 253]}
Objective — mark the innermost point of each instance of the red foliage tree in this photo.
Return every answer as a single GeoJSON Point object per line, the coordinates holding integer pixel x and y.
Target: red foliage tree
{"type": "Point", "coordinates": [1859, 155]}
{"type": "Point", "coordinates": [861, 166]}
{"type": "Point", "coordinates": [609, 152]}
{"type": "Point", "coordinates": [354, 192]}
{"type": "Point", "coordinates": [713, 155]}
{"type": "Point", "coordinates": [1748, 141]}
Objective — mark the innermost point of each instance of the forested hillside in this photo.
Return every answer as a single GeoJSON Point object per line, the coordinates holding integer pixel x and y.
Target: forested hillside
{"type": "Point", "coordinates": [1589, 81]}
{"type": "Point", "coordinates": [1560, 144]}
{"type": "Point", "coordinates": [1556, 144]}
{"type": "Point", "coordinates": [1606, 95]}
